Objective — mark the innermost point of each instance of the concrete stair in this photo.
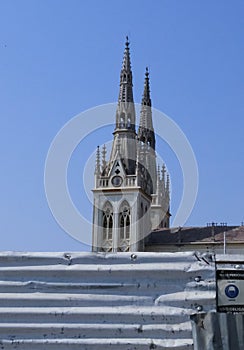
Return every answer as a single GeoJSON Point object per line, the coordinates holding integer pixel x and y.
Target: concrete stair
{"type": "Point", "coordinates": [98, 301]}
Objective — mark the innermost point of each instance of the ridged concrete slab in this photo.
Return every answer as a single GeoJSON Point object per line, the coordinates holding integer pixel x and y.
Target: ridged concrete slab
{"type": "Point", "coordinates": [96, 301]}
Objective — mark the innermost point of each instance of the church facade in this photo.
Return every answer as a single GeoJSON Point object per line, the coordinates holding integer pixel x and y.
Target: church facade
{"type": "Point", "coordinates": [131, 194]}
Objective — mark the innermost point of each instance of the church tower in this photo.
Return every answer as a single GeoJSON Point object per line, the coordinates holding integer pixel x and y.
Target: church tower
{"type": "Point", "coordinates": [130, 196]}
{"type": "Point", "coordinates": [160, 191]}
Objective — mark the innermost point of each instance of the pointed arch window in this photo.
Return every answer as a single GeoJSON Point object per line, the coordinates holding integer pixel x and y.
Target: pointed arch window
{"type": "Point", "coordinates": [129, 121]}
{"type": "Point", "coordinates": [122, 120]}
{"type": "Point", "coordinates": [124, 227]}
{"type": "Point", "coordinates": [107, 222]}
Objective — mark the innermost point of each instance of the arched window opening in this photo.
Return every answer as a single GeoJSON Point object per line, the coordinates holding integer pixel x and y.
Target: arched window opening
{"type": "Point", "coordinates": [141, 213]}
{"type": "Point", "coordinates": [122, 120]}
{"type": "Point", "coordinates": [107, 222]}
{"type": "Point", "coordinates": [124, 222]}
{"type": "Point", "coordinates": [127, 225]}
{"type": "Point", "coordinates": [110, 228]}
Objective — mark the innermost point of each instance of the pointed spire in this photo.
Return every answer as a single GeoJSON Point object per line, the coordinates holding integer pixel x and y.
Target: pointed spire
{"type": "Point", "coordinates": [125, 92]}
{"type": "Point", "coordinates": [163, 171]}
{"type": "Point", "coordinates": [158, 172]}
{"type": "Point", "coordinates": [167, 184]}
{"type": "Point", "coordinates": [145, 131]}
{"type": "Point", "coordinates": [125, 129]}
{"type": "Point", "coordinates": [98, 167]}
{"type": "Point", "coordinates": [146, 100]}
{"type": "Point", "coordinates": [126, 60]}
{"type": "Point", "coordinates": [104, 151]}
{"type": "Point", "coordinates": [158, 184]}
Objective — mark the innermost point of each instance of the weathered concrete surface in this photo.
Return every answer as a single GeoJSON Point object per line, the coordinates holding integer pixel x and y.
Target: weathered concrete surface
{"type": "Point", "coordinates": [218, 331]}
{"type": "Point", "coordinates": [96, 301]}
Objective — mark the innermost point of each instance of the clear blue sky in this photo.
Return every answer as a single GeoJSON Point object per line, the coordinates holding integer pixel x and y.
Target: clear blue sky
{"type": "Point", "coordinates": [59, 58]}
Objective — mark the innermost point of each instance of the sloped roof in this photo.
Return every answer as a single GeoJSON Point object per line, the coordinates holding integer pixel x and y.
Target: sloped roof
{"type": "Point", "coordinates": [185, 235]}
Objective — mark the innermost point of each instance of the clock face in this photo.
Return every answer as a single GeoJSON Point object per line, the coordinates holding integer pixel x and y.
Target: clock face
{"type": "Point", "coordinates": [117, 181]}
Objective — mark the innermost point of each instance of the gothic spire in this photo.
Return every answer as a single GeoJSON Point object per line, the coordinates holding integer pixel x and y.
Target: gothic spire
{"type": "Point", "coordinates": [126, 92]}
{"type": "Point", "coordinates": [98, 165]}
{"type": "Point", "coordinates": [124, 133]}
{"type": "Point", "coordinates": [145, 131]}
{"type": "Point", "coordinates": [104, 151]}
{"type": "Point", "coordinates": [163, 171]}
{"type": "Point", "coordinates": [167, 185]}
{"type": "Point", "coordinates": [146, 100]}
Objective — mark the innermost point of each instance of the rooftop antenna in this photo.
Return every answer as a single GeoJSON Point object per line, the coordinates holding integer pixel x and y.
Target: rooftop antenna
{"type": "Point", "coordinates": [224, 242]}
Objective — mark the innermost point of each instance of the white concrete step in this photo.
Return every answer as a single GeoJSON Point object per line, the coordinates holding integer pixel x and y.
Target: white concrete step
{"type": "Point", "coordinates": [125, 314]}
{"type": "Point", "coordinates": [10, 258]}
{"type": "Point", "coordinates": [132, 288]}
{"type": "Point", "coordinates": [95, 344]}
{"type": "Point", "coordinates": [12, 331]}
{"type": "Point", "coordinates": [64, 300]}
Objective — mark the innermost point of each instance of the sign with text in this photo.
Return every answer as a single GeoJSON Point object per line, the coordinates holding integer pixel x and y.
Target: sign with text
{"type": "Point", "coordinates": [230, 290]}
